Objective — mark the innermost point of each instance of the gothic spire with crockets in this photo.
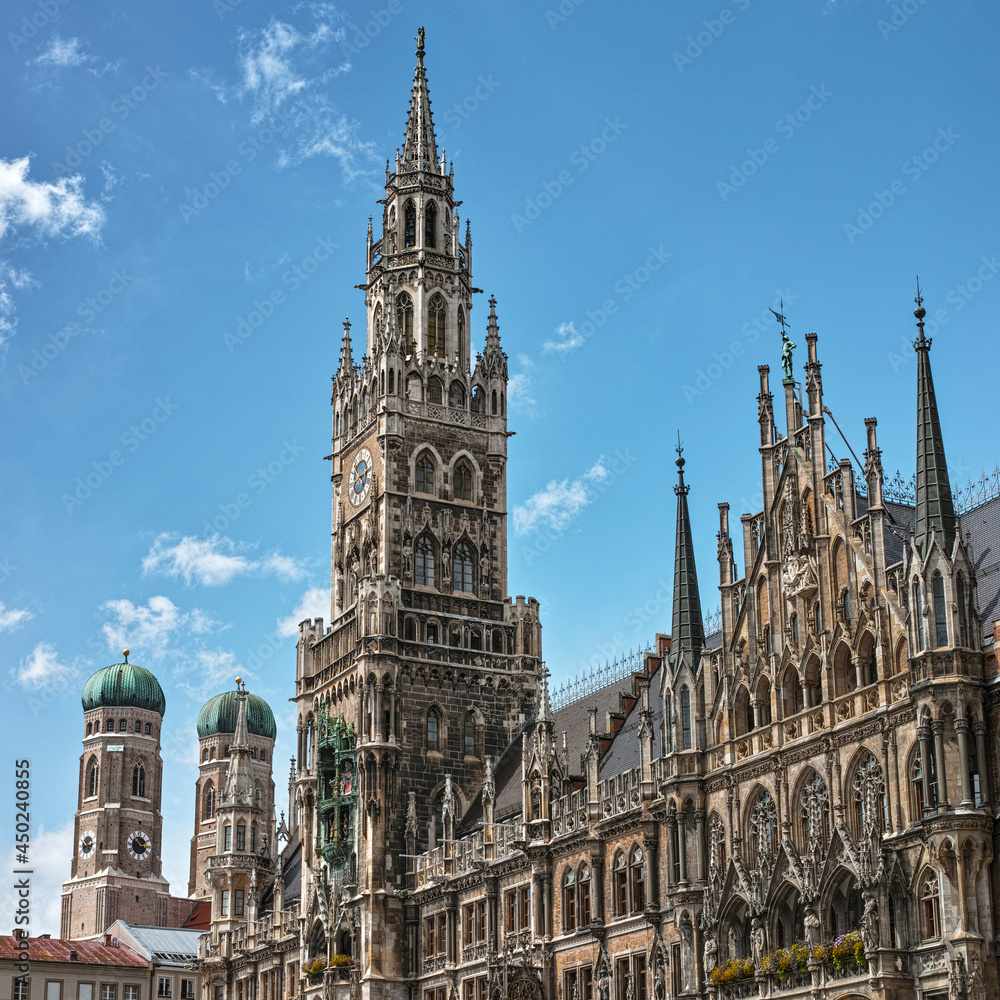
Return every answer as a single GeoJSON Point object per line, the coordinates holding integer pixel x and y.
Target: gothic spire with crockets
{"type": "Point", "coordinates": [687, 635]}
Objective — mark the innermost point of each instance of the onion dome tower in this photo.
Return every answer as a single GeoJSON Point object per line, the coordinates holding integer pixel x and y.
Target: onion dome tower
{"type": "Point", "coordinates": [218, 722]}
{"type": "Point", "coordinates": [116, 870]}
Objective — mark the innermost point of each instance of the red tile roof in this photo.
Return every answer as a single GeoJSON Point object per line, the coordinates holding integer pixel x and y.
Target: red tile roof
{"type": "Point", "coordinates": [57, 950]}
{"type": "Point", "coordinates": [201, 916]}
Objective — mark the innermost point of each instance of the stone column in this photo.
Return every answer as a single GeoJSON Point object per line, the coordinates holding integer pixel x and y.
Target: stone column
{"type": "Point", "coordinates": [682, 846]}
{"type": "Point", "coordinates": [699, 824]}
{"type": "Point", "coordinates": [894, 763]}
{"type": "Point", "coordinates": [962, 730]}
{"type": "Point", "coordinates": [983, 763]}
{"type": "Point", "coordinates": [937, 727]}
{"type": "Point", "coordinates": [597, 893]}
{"type": "Point", "coordinates": [671, 847]}
{"type": "Point", "coordinates": [652, 845]}
{"type": "Point", "coordinates": [891, 786]}
{"type": "Point", "coordinates": [924, 737]}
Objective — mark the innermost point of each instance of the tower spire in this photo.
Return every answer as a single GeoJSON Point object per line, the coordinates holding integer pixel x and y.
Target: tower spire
{"type": "Point", "coordinates": [239, 780]}
{"type": "Point", "coordinates": [419, 146]}
{"type": "Point", "coordinates": [687, 634]}
{"type": "Point", "coordinates": [346, 357]}
{"type": "Point", "coordinates": [935, 507]}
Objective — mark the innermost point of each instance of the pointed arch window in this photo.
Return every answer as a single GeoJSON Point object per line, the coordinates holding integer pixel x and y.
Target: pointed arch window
{"type": "Point", "coordinates": [918, 613]}
{"type": "Point", "coordinates": [469, 735]}
{"type": "Point", "coordinates": [637, 879]}
{"type": "Point", "coordinates": [963, 620]}
{"type": "Point", "coordinates": [795, 628]}
{"type": "Point", "coordinates": [461, 328]}
{"type": "Point", "coordinates": [208, 802]}
{"type": "Point", "coordinates": [476, 403]}
{"type": "Point", "coordinates": [461, 567]}
{"type": "Point", "coordinates": [139, 780]}
{"type": "Point", "coordinates": [409, 224]}
{"type": "Point", "coordinates": [433, 729]}
{"type": "Point", "coordinates": [814, 815]}
{"type": "Point", "coordinates": [404, 320]}
{"type": "Point", "coordinates": [763, 830]}
{"type": "Point", "coordinates": [377, 318]}
{"type": "Point", "coordinates": [569, 901]}
{"type": "Point", "coordinates": [93, 782]}
{"type": "Point", "coordinates": [456, 396]}
{"type": "Point", "coordinates": [940, 612]}
{"type": "Point", "coordinates": [869, 798]}
{"type": "Point", "coordinates": [685, 718]}
{"type": "Point", "coordinates": [423, 568]}
{"type": "Point", "coordinates": [930, 907]}
{"type": "Point", "coordinates": [435, 327]}
{"type": "Point", "coordinates": [462, 481]}
{"type": "Point", "coordinates": [583, 896]}
{"type": "Point", "coordinates": [430, 225]}
{"type": "Point", "coordinates": [916, 788]}
{"type": "Point", "coordinates": [425, 474]}
{"type": "Point", "coordinates": [620, 883]}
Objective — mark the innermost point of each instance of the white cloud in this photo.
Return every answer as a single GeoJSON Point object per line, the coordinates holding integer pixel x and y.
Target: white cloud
{"type": "Point", "coordinates": [553, 507]}
{"type": "Point", "coordinates": [569, 339]}
{"type": "Point", "coordinates": [519, 384]}
{"type": "Point", "coordinates": [213, 561]}
{"type": "Point", "coordinates": [149, 627]}
{"type": "Point", "coordinates": [314, 603]}
{"type": "Point", "coordinates": [12, 617]}
{"type": "Point", "coordinates": [63, 52]}
{"type": "Point", "coordinates": [11, 277]}
{"type": "Point", "coordinates": [42, 668]}
{"type": "Point", "coordinates": [56, 209]}
{"type": "Point", "coordinates": [49, 861]}
{"type": "Point", "coordinates": [265, 61]}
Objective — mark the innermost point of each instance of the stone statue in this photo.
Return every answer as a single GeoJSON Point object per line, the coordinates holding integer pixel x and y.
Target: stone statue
{"type": "Point", "coordinates": [812, 927]}
{"type": "Point", "coordinates": [786, 354]}
{"type": "Point", "coordinates": [869, 926]}
{"type": "Point", "coordinates": [757, 941]}
{"type": "Point", "coordinates": [711, 954]}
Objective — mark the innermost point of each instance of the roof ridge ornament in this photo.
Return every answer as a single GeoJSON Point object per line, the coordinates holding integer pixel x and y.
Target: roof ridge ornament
{"type": "Point", "coordinates": [786, 345]}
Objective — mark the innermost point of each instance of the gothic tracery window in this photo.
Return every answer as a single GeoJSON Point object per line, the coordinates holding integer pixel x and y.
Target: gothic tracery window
{"type": "Point", "coordinates": [139, 780]}
{"type": "Point", "coordinates": [814, 815]}
{"type": "Point", "coordinates": [620, 882]}
{"type": "Point", "coordinates": [637, 879]}
{"type": "Point", "coordinates": [208, 802]}
{"type": "Point", "coordinates": [940, 612]}
{"type": "Point", "coordinates": [409, 224]}
{"type": "Point", "coordinates": [716, 848]}
{"type": "Point", "coordinates": [92, 779]}
{"type": "Point", "coordinates": [685, 719]}
{"type": "Point", "coordinates": [869, 798]}
{"type": "Point", "coordinates": [763, 828]}
{"type": "Point", "coordinates": [425, 474]}
{"type": "Point", "coordinates": [435, 327]}
{"type": "Point", "coordinates": [430, 225]}
{"type": "Point", "coordinates": [930, 907]}
{"type": "Point", "coordinates": [569, 900]}
{"type": "Point", "coordinates": [423, 562]}
{"type": "Point", "coordinates": [404, 320]}
{"type": "Point", "coordinates": [433, 730]}
{"type": "Point", "coordinates": [462, 481]}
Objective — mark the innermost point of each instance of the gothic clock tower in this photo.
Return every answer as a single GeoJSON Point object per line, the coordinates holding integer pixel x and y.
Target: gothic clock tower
{"type": "Point", "coordinates": [425, 655]}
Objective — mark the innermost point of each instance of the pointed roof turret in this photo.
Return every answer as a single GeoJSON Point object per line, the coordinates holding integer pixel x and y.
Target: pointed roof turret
{"type": "Point", "coordinates": [419, 146]}
{"type": "Point", "coordinates": [935, 507]}
{"type": "Point", "coordinates": [239, 778]}
{"type": "Point", "coordinates": [687, 635]}
{"type": "Point", "coordinates": [346, 357]}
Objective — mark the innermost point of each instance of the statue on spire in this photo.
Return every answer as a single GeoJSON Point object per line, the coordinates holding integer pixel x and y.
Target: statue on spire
{"type": "Point", "coordinates": [786, 345]}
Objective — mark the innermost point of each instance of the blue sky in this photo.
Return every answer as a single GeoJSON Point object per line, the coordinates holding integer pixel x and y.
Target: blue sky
{"type": "Point", "coordinates": [643, 181]}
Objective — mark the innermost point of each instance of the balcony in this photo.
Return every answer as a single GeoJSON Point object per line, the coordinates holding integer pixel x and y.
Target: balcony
{"type": "Point", "coordinates": [796, 985]}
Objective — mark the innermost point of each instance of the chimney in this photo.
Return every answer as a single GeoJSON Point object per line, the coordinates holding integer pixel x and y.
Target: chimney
{"type": "Point", "coordinates": [72, 954]}
{"type": "Point", "coordinates": [108, 941]}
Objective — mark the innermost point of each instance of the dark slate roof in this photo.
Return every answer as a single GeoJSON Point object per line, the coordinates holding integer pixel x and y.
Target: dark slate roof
{"type": "Point", "coordinates": [623, 755]}
{"type": "Point", "coordinates": [506, 780]}
{"type": "Point", "coordinates": [980, 528]}
{"type": "Point", "coordinates": [898, 530]}
{"type": "Point", "coordinates": [714, 641]}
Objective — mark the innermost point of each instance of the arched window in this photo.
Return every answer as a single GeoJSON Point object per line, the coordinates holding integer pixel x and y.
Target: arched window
{"type": "Point", "coordinates": [456, 396]}
{"type": "Point", "coordinates": [430, 225]}
{"type": "Point", "coordinates": [139, 780]}
{"type": "Point", "coordinates": [743, 712]}
{"type": "Point", "coordinates": [814, 815]}
{"type": "Point", "coordinates": [494, 403]}
{"type": "Point", "coordinates": [461, 567]}
{"type": "Point", "coordinates": [461, 328]}
{"type": "Point", "coordinates": [867, 659]}
{"type": "Point", "coordinates": [930, 907]}
{"type": "Point", "coordinates": [845, 677]}
{"type": "Point", "coordinates": [918, 612]}
{"type": "Point", "coordinates": [791, 692]}
{"type": "Point", "coordinates": [469, 735]}
{"type": "Point", "coordinates": [963, 619]}
{"type": "Point", "coordinates": [241, 837]}
{"type": "Point", "coordinates": [90, 728]}
{"type": "Point", "coordinates": [404, 320]}
{"type": "Point", "coordinates": [433, 729]}
{"type": "Point", "coordinates": [637, 878]}
{"type": "Point", "coordinates": [476, 403]}
{"type": "Point", "coordinates": [423, 569]}
{"type": "Point", "coordinates": [583, 896]}
{"type": "Point", "coordinates": [434, 391]}
{"type": "Point", "coordinates": [497, 641]}
{"type": "Point", "coordinates": [409, 225]}
{"type": "Point", "coordinates": [685, 719]}
{"type": "Point", "coordinates": [462, 481]}
{"type": "Point", "coordinates": [435, 327]}
{"type": "Point", "coordinates": [569, 901]}
{"type": "Point", "coordinates": [425, 474]}
{"type": "Point", "coordinates": [110, 726]}
{"type": "Point", "coordinates": [940, 612]}
{"type": "Point", "coordinates": [410, 630]}
{"type": "Point", "coordinates": [93, 776]}
{"type": "Point", "coordinates": [208, 802]}
{"type": "Point", "coordinates": [620, 885]}
{"type": "Point", "coordinates": [392, 381]}
{"type": "Point", "coordinates": [794, 622]}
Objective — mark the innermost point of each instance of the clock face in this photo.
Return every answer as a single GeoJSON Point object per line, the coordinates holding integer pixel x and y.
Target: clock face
{"type": "Point", "coordinates": [361, 477]}
{"type": "Point", "coordinates": [140, 845]}
{"type": "Point", "coordinates": [88, 841]}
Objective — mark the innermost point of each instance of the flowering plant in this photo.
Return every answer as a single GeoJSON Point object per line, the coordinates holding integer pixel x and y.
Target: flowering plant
{"type": "Point", "coordinates": [785, 961]}
{"type": "Point", "coordinates": [847, 948]}
{"type": "Point", "coordinates": [315, 966]}
{"type": "Point", "coordinates": [735, 970]}
{"type": "Point", "coordinates": [338, 960]}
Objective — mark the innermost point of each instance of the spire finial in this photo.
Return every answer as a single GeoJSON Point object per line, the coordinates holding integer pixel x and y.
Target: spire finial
{"type": "Point", "coordinates": [920, 312]}
{"type": "Point", "coordinates": [420, 43]}
{"type": "Point", "coordinates": [125, 653]}
{"type": "Point", "coordinates": [786, 345]}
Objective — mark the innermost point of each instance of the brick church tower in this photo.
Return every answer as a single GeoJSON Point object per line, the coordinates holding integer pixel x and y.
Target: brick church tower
{"type": "Point", "coordinates": [116, 869]}
{"type": "Point", "coordinates": [425, 656]}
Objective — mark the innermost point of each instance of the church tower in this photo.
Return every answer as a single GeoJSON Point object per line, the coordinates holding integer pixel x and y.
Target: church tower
{"type": "Point", "coordinates": [116, 868]}
{"type": "Point", "coordinates": [426, 657]}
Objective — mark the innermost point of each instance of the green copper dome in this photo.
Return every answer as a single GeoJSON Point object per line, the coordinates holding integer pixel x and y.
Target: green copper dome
{"type": "Point", "coordinates": [218, 715]}
{"type": "Point", "coordinates": [124, 684]}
